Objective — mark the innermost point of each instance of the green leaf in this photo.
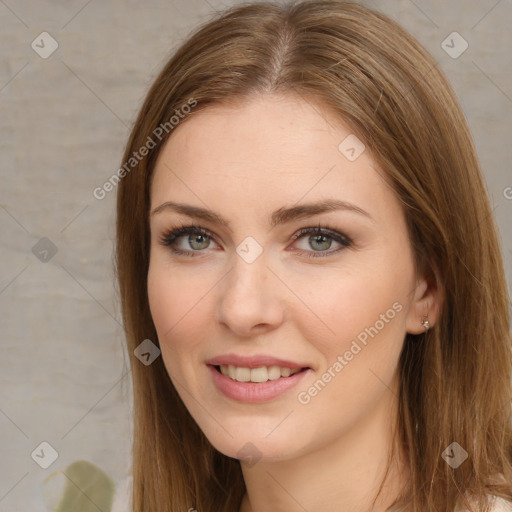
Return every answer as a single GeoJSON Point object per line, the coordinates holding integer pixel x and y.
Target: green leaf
{"type": "Point", "coordinates": [84, 487]}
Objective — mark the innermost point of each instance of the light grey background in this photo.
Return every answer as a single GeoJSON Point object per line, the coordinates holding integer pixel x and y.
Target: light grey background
{"type": "Point", "coordinates": [64, 120]}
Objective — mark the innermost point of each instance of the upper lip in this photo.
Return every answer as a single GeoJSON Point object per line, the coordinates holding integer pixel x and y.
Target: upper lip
{"type": "Point", "coordinates": [254, 361]}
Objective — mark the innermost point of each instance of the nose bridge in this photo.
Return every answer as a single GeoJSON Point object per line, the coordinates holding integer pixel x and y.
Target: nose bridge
{"type": "Point", "coordinates": [249, 275]}
{"type": "Point", "coordinates": [249, 264]}
{"type": "Point", "coordinates": [248, 298]}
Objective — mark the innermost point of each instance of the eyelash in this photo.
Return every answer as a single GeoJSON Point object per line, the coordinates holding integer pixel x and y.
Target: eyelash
{"type": "Point", "coordinates": [170, 237]}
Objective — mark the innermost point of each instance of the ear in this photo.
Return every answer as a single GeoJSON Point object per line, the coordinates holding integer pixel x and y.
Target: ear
{"type": "Point", "coordinates": [426, 305]}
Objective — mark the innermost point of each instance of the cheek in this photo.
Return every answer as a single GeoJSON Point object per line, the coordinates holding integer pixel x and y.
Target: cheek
{"type": "Point", "coordinates": [163, 300]}
{"type": "Point", "coordinates": [359, 358]}
{"type": "Point", "coordinates": [364, 305]}
{"type": "Point", "coordinates": [176, 308]}
{"type": "Point", "coordinates": [178, 316]}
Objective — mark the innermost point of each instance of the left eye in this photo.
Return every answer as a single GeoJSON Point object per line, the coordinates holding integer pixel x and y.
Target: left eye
{"type": "Point", "coordinates": [319, 240]}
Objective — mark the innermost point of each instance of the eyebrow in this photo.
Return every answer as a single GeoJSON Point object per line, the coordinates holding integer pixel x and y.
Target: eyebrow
{"type": "Point", "coordinates": [280, 216]}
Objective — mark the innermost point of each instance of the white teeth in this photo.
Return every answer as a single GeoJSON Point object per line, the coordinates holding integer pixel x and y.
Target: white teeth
{"type": "Point", "coordinates": [261, 374]}
{"type": "Point", "coordinates": [242, 374]}
{"type": "Point", "coordinates": [274, 372]}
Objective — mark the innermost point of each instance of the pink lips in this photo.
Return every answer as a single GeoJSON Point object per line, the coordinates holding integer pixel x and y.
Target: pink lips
{"type": "Point", "coordinates": [253, 361]}
{"type": "Point", "coordinates": [254, 392]}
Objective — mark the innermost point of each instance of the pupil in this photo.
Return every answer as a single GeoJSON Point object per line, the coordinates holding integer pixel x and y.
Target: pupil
{"type": "Point", "coordinates": [196, 239]}
{"type": "Point", "coordinates": [318, 239]}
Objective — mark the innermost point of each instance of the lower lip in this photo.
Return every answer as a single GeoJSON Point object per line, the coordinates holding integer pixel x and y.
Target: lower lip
{"type": "Point", "coordinates": [255, 392]}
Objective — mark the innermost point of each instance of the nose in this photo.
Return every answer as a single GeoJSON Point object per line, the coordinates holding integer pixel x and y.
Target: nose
{"type": "Point", "coordinates": [249, 301]}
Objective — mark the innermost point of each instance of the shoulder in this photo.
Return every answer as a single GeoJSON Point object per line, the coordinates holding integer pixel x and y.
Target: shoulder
{"type": "Point", "coordinates": [501, 505]}
{"type": "Point", "coordinates": [497, 505]}
{"type": "Point", "coordinates": [122, 501]}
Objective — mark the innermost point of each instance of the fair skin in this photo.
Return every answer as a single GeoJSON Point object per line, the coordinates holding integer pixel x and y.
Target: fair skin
{"type": "Point", "coordinates": [245, 161]}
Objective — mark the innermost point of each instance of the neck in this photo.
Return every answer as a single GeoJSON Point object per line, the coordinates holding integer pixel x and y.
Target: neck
{"type": "Point", "coordinates": [342, 475]}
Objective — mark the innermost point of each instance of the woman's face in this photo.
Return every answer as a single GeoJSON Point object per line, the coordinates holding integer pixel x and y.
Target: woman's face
{"type": "Point", "coordinates": [264, 299]}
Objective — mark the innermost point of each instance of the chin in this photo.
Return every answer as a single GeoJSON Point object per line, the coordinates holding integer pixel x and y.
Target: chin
{"type": "Point", "coordinates": [254, 445]}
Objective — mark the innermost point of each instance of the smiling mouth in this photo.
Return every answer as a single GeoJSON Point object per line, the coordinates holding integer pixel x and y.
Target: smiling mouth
{"type": "Point", "coordinates": [257, 375]}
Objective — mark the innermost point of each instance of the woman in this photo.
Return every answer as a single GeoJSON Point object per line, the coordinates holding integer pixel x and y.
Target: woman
{"type": "Point", "coordinates": [303, 232]}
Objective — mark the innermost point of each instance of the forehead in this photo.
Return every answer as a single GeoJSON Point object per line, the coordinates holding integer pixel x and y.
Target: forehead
{"type": "Point", "coordinates": [250, 127]}
{"type": "Point", "coordinates": [260, 149]}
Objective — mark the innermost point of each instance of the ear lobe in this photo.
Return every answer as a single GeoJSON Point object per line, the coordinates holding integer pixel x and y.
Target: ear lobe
{"type": "Point", "coordinates": [426, 306]}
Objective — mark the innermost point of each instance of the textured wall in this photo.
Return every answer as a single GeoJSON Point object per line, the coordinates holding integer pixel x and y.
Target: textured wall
{"type": "Point", "coordinates": [64, 374]}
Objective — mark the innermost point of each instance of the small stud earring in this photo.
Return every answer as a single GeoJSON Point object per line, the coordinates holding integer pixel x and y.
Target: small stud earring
{"type": "Point", "coordinates": [425, 323]}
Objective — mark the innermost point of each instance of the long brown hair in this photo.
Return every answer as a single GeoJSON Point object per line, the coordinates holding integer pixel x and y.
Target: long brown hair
{"type": "Point", "coordinates": [455, 378]}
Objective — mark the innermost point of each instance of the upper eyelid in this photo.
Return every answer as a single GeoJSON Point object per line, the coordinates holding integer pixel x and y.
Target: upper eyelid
{"type": "Point", "coordinates": [298, 234]}
{"type": "Point", "coordinates": [322, 227]}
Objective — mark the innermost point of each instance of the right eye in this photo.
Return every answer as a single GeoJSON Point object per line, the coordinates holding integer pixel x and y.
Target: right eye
{"type": "Point", "coordinates": [198, 239]}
